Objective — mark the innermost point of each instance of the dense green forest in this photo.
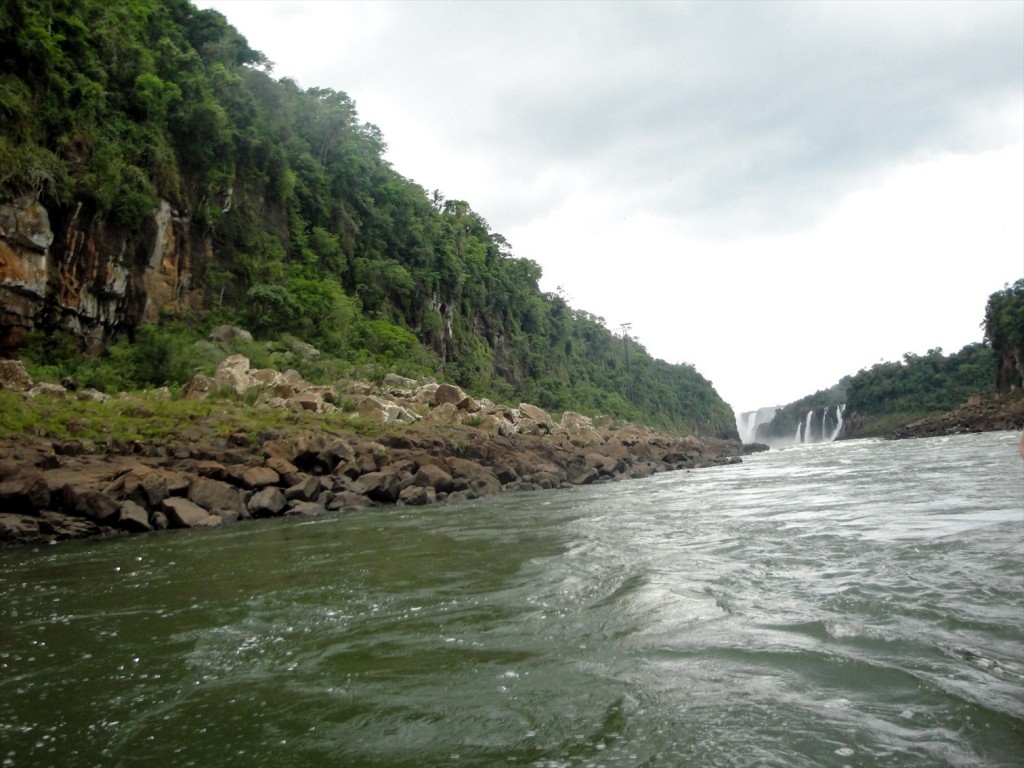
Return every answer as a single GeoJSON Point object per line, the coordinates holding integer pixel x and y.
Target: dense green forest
{"type": "Point", "coordinates": [112, 107]}
{"type": "Point", "coordinates": [896, 393]}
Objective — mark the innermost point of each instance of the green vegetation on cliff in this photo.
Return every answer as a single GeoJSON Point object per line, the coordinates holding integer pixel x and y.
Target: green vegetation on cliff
{"type": "Point", "coordinates": [891, 395]}
{"type": "Point", "coordinates": [1004, 330]}
{"type": "Point", "coordinates": [107, 109]}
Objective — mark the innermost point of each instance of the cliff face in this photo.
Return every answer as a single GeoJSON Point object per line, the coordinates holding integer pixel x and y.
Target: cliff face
{"type": "Point", "coordinates": [70, 268]}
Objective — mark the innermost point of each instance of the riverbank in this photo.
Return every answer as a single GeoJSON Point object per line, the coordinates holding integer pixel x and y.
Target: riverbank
{"type": "Point", "coordinates": [992, 414]}
{"type": "Point", "coordinates": [248, 444]}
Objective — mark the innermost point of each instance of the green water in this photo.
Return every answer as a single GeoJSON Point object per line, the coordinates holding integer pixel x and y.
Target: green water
{"type": "Point", "coordinates": [852, 604]}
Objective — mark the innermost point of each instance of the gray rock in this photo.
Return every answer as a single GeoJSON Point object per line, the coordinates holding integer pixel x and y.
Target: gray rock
{"type": "Point", "coordinates": [214, 494]}
{"type": "Point", "coordinates": [305, 509]}
{"type": "Point", "coordinates": [132, 517]}
{"type": "Point", "coordinates": [260, 477]}
{"type": "Point", "coordinates": [417, 495]}
{"type": "Point", "coordinates": [86, 502]}
{"type": "Point", "coordinates": [267, 502]}
{"type": "Point", "coordinates": [14, 376]}
{"type": "Point", "coordinates": [24, 492]}
{"type": "Point", "coordinates": [182, 513]}
{"type": "Point", "coordinates": [433, 476]}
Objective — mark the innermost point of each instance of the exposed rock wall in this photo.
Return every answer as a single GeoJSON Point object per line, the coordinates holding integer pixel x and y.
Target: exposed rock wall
{"type": "Point", "coordinates": [69, 267]}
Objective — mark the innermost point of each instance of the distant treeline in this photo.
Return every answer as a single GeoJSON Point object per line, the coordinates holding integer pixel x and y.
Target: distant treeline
{"type": "Point", "coordinates": [116, 106]}
{"type": "Point", "coordinates": [891, 394]}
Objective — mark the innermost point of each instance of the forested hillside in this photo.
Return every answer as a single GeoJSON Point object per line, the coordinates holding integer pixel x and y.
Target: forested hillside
{"type": "Point", "coordinates": [166, 174]}
{"type": "Point", "coordinates": [890, 395]}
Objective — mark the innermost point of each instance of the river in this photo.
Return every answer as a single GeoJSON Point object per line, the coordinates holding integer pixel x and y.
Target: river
{"type": "Point", "coordinates": [857, 603]}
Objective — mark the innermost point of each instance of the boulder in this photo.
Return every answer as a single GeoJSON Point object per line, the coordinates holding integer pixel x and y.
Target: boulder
{"type": "Point", "coordinates": [214, 494]}
{"type": "Point", "coordinates": [24, 492]}
{"type": "Point", "coordinates": [446, 413]}
{"type": "Point", "coordinates": [212, 469]}
{"type": "Point", "coordinates": [400, 383]}
{"type": "Point", "coordinates": [271, 380]}
{"type": "Point", "coordinates": [572, 420]}
{"type": "Point", "coordinates": [60, 526]}
{"type": "Point", "coordinates": [349, 500]}
{"type": "Point", "coordinates": [307, 490]}
{"type": "Point", "coordinates": [539, 416]}
{"type": "Point", "coordinates": [417, 495]}
{"type": "Point", "coordinates": [383, 485]}
{"type": "Point", "coordinates": [182, 513]}
{"type": "Point", "coordinates": [468, 404]}
{"type": "Point", "coordinates": [496, 426]}
{"type": "Point", "coordinates": [268, 502]}
{"type": "Point", "coordinates": [309, 400]}
{"type": "Point", "coordinates": [581, 474]}
{"type": "Point", "coordinates": [448, 393]}
{"type": "Point", "coordinates": [432, 476]}
{"type": "Point", "coordinates": [198, 388]}
{"type": "Point", "coordinates": [18, 529]}
{"type": "Point", "coordinates": [92, 396]}
{"type": "Point", "coordinates": [335, 451]}
{"type": "Point", "coordinates": [86, 502]}
{"type": "Point", "coordinates": [233, 372]}
{"type": "Point", "coordinates": [49, 390]}
{"type": "Point", "coordinates": [133, 518]}
{"type": "Point", "coordinates": [259, 477]}
{"type": "Point", "coordinates": [425, 394]}
{"type": "Point", "coordinates": [305, 509]}
{"type": "Point", "coordinates": [289, 473]}
{"type": "Point", "coordinates": [384, 411]}
{"type": "Point", "coordinates": [14, 376]}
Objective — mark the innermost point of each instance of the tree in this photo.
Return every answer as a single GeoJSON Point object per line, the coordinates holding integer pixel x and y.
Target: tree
{"type": "Point", "coordinates": [1004, 330]}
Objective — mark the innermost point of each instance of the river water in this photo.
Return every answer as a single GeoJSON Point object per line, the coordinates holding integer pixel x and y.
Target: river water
{"type": "Point", "coordinates": [850, 604]}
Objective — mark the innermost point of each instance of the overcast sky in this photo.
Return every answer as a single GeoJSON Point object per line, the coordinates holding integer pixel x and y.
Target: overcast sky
{"type": "Point", "coordinates": [778, 193]}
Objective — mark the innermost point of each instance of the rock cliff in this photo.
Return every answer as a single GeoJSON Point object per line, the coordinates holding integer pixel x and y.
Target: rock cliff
{"type": "Point", "coordinates": [69, 267]}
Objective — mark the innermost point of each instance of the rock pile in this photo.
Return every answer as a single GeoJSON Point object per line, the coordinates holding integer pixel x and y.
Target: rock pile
{"type": "Point", "coordinates": [451, 447]}
{"type": "Point", "coordinates": [997, 413]}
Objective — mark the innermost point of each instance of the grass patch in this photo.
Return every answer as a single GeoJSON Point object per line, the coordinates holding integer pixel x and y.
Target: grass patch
{"type": "Point", "coordinates": [141, 419]}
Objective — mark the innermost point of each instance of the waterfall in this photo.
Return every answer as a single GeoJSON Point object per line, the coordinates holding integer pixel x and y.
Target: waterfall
{"type": "Point", "coordinates": [808, 437]}
{"type": "Point", "coordinates": [816, 425]}
{"type": "Point", "coordinates": [839, 420]}
{"type": "Point", "coordinates": [750, 422]}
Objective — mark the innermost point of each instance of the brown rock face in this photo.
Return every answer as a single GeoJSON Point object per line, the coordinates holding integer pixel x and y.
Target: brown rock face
{"type": "Point", "coordinates": [97, 277]}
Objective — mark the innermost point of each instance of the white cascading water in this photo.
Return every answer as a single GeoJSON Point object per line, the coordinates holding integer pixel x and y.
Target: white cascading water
{"type": "Point", "coordinates": [751, 430]}
{"type": "Point", "coordinates": [839, 421]}
{"type": "Point", "coordinates": [807, 431]}
{"type": "Point", "coordinates": [748, 422]}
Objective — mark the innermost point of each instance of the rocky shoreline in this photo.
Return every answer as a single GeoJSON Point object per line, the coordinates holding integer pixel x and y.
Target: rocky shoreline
{"type": "Point", "coordinates": [993, 414]}
{"type": "Point", "coordinates": [436, 444]}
